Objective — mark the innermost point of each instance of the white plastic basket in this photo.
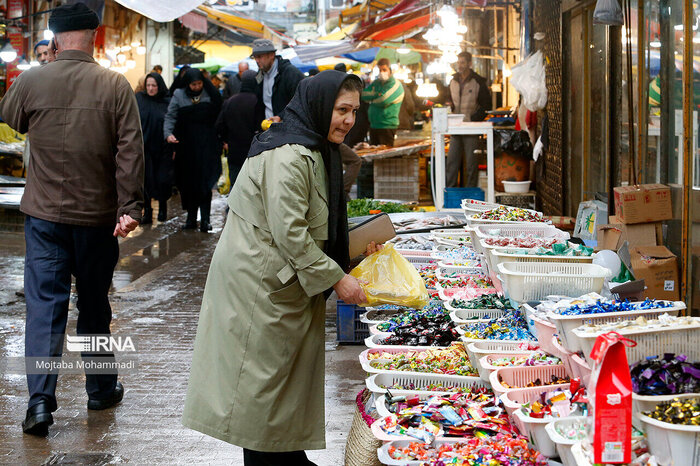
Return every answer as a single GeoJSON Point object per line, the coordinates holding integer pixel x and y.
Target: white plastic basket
{"type": "Point", "coordinates": [365, 362]}
{"type": "Point", "coordinates": [534, 430]}
{"type": "Point", "coordinates": [420, 261]}
{"type": "Point", "coordinates": [460, 235]}
{"type": "Point", "coordinates": [490, 346]}
{"type": "Point", "coordinates": [581, 369]}
{"type": "Point", "coordinates": [474, 222]}
{"type": "Point", "coordinates": [485, 366]}
{"type": "Point", "coordinates": [448, 294]}
{"type": "Point", "coordinates": [414, 252]}
{"type": "Point", "coordinates": [466, 316]}
{"type": "Point", "coordinates": [682, 339]}
{"type": "Point", "coordinates": [370, 317]}
{"type": "Point", "coordinates": [420, 381]}
{"type": "Point", "coordinates": [385, 457]}
{"type": "Point", "coordinates": [674, 444]}
{"type": "Point", "coordinates": [534, 281]}
{"type": "Point", "coordinates": [511, 231]}
{"type": "Point", "coordinates": [567, 323]}
{"type": "Point", "coordinates": [514, 399]}
{"type": "Point", "coordinates": [646, 403]}
{"type": "Point", "coordinates": [474, 206]}
{"type": "Point", "coordinates": [372, 341]}
{"type": "Point", "coordinates": [520, 376]}
{"type": "Point", "coordinates": [562, 443]}
{"type": "Point", "coordinates": [442, 273]}
{"type": "Point", "coordinates": [542, 329]}
{"type": "Point", "coordinates": [500, 255]}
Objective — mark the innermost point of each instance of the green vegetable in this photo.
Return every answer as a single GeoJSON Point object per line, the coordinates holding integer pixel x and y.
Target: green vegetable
{"type": "Point", "coordinates": [361, 207]}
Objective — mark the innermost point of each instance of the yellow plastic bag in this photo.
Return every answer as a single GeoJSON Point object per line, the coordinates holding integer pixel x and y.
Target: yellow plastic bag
{"type": "Point", "coordinates": [224, 183]}
{"type": "Point", "coordinates": [388, 278]}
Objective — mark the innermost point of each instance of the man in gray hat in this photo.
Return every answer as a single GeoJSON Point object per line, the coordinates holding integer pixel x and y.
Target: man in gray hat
{"type": "Point", "coordinates": [277, 78]}
{"type": "Point", "coordinates": [81, 194]}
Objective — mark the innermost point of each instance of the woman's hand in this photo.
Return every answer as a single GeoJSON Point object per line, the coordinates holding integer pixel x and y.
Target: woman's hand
{"type": "Point", "coordinates": [372, 248]}
{"type": "Point", "coordinates": [172, 139]}
{"type": "Point", "coordinates": [349, 290]}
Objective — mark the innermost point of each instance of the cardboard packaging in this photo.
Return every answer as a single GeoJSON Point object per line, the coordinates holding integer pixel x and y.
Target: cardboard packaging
{"type": "Point", "coordinates": [611, 400]}
{"type": "Point", "coordinates": [659, 268]}
{"type": "Point", "coordinates": [643, 203]}
{"type": "Point", "coordinates": [614, 235]}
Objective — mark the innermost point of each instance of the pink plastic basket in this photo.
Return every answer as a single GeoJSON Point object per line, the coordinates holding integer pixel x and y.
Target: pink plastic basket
{"type": "Point", "coordinates": [562, 353]}
{"type": "Point", "coordinates": [581, 369]}
{"type": "Point", "coordinates": [514, 399]}
{"type": "Point", "coordinates": [521, 376]}
{"type": "Point", "coordinates": [545, 333]}
{"type": "Point", "coordinates": [485, 366]}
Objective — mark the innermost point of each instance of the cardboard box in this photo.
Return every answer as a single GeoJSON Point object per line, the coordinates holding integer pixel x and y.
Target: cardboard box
{"type": "Point", "coordinates": [659, 268]}
{"type": "Point", "coordinates": [643, 203]}
{"type": "Point", "coordinates": [614, 235]}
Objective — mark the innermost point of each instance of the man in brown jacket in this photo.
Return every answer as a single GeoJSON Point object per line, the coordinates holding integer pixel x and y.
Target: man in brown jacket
{"type": "Point", "coordinates": [85, 177]}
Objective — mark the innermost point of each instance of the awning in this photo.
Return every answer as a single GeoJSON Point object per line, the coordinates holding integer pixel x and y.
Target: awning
{"type": "Point", "coordinates": [159, 10]}
{"type": "Point", "coordinates": [363, 56]}
{"type": "Point", "coordinates": [195, 21]}
{"type": "Point", "coordinates": [246, 25]}
{"type": "Point", "coordinates": [363, 10]}
{"type": "Point", "coordinates": [330, 48]}
{"type": "Point", "coordinates": [395, 26]}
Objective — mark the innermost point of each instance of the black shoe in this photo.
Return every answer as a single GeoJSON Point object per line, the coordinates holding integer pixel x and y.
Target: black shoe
{"type": "Point", "coordinates": [116, 397]}
{"type": "Point", "coordinates": [162, 216]}
{"type": "Point", "coordinates": [162, 211]}
{"type": "Point", "coordinates": [205, 227]}
{"type": "Point", "coordinates": [38, 420]}
{"type": "Point", "coordinates": [147, 217]}
{"type": "Point", "coordinates": [190, 225]}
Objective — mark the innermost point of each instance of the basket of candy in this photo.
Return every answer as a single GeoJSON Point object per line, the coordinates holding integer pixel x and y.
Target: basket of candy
{"type": "Point", "coordinates": [446, 361]}
{"type": "Point", "coordinates": [504, 379]}
{"type": "Point", "coordinates": [410, 384]}
{"type": "Point", "coordinates": [673, 431]}
{"type": "Point", "coordinates": [492, 362]}
{"type": "Point", "coordinates": [434, 314]}
{"type": "Point", "coordinates": [478, 349]}
{"type": "Point", "coordinates": [565, 432]}
{"type": "Point", "coordinates": [507, 216]}
{"type": "Point", "coordinates": [657, 379]}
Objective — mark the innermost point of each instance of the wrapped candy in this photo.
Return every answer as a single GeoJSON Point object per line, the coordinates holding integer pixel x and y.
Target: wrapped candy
{"type": "Point", "coordinates": [425, 331]}
{"type": "Point", "coordinates": [510, 326]}
{"type": "Point", "coordinates": [510, 214]}
{"type": "Point", "coordinates": [433, 311]}
{"type": "Point", "coordinates": [668, 375]}
{"type": "Point", "coordinates": [601, 307]}
{"type": "Point", "coordinates": [524, 241]}
{"type": "Point", "coordinates": [685, 412]}
{"type": "Point", "coordinates": [485, 301]}
{"type": "Point", "coordinates": [452, 361]}
{"type": "Point", "coordinates": [535, 359]}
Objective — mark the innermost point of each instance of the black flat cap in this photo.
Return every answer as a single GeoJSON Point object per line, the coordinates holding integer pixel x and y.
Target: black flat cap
{"type": "Point", "coordinates": [74, 17]}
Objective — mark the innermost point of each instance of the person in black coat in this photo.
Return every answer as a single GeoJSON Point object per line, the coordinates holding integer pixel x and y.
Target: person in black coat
{"type": "Point", "coordinates": [158, 177]}
{"type": "Point", "coordinates": [238, 122]}
{"type": "Point", "coordinates": [275, 74]}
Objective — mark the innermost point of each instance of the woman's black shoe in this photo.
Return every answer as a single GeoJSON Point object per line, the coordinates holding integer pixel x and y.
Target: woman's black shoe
{"type": "Point", "coordinates": [162, 211]}
{"type": "Point", "coordinates": [205, 227]}
{"type": "Point", "coordinates": [190, 225]}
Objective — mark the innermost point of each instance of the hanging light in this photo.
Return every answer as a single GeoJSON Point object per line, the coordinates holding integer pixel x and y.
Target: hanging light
{"type": "Point", "coordinates": [141, 49]}
{"type": "Point", "coordinates": [23, 64]}
{"type": "Point", "coordinates": [8, 53]}
{"type": "Point", "coordinates": [125, 48]}
{"type": "Point", "coordinates": [34, 63]}
{"type": "Point", "coordinates": [506, 72]}
{"type": "Point", "coordinates": [655, 44]}
{"type": "Point", "coordinates": [450, 57]}
{"type": "Point", "coordinates": [403, 50]}
{"type": "Point", "coordinates": [135, 43]}
{"type": "Point", "coordinates": [131, 64]}
{"type": "Point", "coordinates": [48, 34]}
{"type": "Point", "coordinates": [121, 58]}
{"type": "Point", "coordinates": [427, 90]}
{"type": "Point", "coordinates": [105, 62]}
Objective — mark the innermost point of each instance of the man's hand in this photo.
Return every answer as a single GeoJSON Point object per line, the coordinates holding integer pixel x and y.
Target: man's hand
{"type": "Point", "coordinates": [172, 139]}
{"type": "Point", "coordinates": [125, 226]}
{"type": "Point", "coordinates": [349, 290]}
{"type": "Point", "coordinates": [276, 119]}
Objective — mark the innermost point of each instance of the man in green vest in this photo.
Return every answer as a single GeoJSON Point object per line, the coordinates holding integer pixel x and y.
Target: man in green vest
{"type": "Point", "coordinates": [384, 95]}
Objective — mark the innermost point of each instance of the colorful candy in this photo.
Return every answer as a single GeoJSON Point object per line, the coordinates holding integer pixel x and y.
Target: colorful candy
{"type": "Point", "coordinates": [539, 383]}
{"type": "Point", "coordinates": [601, 307]}
{"type": "Point", "coordinates": [524, 241]}
{"type": "Point", "coordinates": [641, 323]}
{"type": "Point", "coordinates": [669, 375]}
{"type": "Point", "coordinates": [485, 301]}
{"type": "Point", "coordinates": [451, 361]}
{"type": "Point", "coordinates": [510, 214]}
{"type": "Point", "coordinates": [434, 310]}
{"type": "Point", "coordinates": [510, 326]}
{"type": "Point", "coordinates": [527, 360]}
{"type": "Point", "coordinates": [497, 450]}
{"type": "Point", "coordinates": [425, 331]}
{"type": "Point", "coordinates": [559, 403]}
{"type": "Point", "coordinates": [677, 411]}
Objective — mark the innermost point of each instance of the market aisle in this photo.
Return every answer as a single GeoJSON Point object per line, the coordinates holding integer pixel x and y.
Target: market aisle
{"type": "Point", "coordinates": [158, 287]}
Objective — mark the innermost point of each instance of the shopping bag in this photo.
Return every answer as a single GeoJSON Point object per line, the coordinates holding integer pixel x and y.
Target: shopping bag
{"type": "Point", "coordinates": [224, 183]}
{"type": "Point", "coordinates": [528, 78]}
{"type": "Point", "coordinates": [611, 399]}
{"type": "Point", "coordinates": [608, 12]}
{"type": "Point", "coordinates": [388, 278]}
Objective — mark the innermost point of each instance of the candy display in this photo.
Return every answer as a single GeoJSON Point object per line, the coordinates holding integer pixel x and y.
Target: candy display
{"type": "Point", "coordinates": [577, 430]}
{"type": "Point", "coordinates": [601, 307]}
{"type": "Point", "coordinates": [485, 301]}
{"type": "Point", "coordinates": [431, 387]}
{"type": "Point", "coordinates": [497, 450]}
{"type": "Point", "coordinates": [451, 361]}
{"type": "Point", "coordinates": [535, 359]}
{"type": "Point", "coordinates": [559, 403]}
{"type": "Point", "coordinates": [417, 243]}
{"type": "Point", "coordinates": [461, 253]}
{"type": "Point", "coordinates": [666, 375]}
{"type": "Point", "coordinates": [411, 224]}
{"type": "Point", "coordinates": [539, 383]}
{"type": "Point", "coordinates": [424, 331]}
{"type": "Point", "coordinates": [435, 312]}
{"type": "Point", "coordinates": [510, 326]}
{"type": "Point", "coordinates": [557, 249]}
{"type": "Point", "coordinates": [677, 411]}
{"type": "Point", "coordinates": [457, 415]}
{"type": "Point", "coordinates": [641, 323]}
{"type": "Point", "coordinates": [509, 214]}
{"type": "Point", "coordinates": [524, 241]}
{"type": "Point", "coordinates": [427, 273]}
{"type": "Point", "coordinates": [463, 281]}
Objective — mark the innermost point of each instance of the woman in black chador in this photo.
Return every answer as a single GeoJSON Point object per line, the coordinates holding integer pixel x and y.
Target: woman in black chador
{"type": "Point", "coordinates": [190, 125]}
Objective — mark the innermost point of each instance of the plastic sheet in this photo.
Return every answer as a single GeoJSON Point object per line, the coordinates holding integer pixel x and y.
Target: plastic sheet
{"type": "Point", "coordinates": [528, 78]}
{"type": "Point", "coordinates": [388, 278]}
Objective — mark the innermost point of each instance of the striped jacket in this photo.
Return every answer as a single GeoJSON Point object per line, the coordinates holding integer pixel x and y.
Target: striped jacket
{"type": "Point", "coordinates": [384, 99]}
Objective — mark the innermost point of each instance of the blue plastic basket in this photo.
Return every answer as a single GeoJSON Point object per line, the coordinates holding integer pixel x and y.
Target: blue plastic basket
{"type": "Point", "coordinates": [349, 329]}
{"type": "Point", "coordinates": [454, 196]}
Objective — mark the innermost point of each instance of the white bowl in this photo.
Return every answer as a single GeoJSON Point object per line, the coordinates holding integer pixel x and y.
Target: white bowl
{"type": "Point", "coordinates": [516, 186]}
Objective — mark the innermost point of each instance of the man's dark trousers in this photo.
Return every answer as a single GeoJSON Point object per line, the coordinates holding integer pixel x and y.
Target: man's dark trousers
{"type": "Point", "coordinates": [55, 251]}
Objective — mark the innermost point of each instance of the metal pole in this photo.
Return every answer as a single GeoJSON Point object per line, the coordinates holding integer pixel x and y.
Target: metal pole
{"type": "Point", "coordinates": [687, 150]}
{"type": "Point", "coordinates": [641, 104]}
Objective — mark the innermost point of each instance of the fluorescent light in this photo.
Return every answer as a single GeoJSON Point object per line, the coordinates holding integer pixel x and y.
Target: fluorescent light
{"type": "Point", "coordinates": [104, 62]}
{"type": "Point", "coordinates": [141, 50]}
{"type": "Point", "coordinates": [125, 48]}
{"type": "Point", "coordinates": [655, 44]}
{"type": "Point", "coordinates": [427, 90]}
{"type": "Point", "coordinates": [23, 65]}
{"type": "Point", "coordinates": [131, 64]}
{"type": "Point", "coordinates": [34, 63]}
{"type": "Point", "coordinates": [135, 43]}
{"type": "Point", "coordinates": [121, 58]}
{"type": "Point", "coordinates": [48, 34]}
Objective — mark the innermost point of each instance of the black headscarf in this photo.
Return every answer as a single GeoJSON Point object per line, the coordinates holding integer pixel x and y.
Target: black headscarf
{"type": "Point", "coordinates": [177, 82]}
{"type": "Point", "coordinates": [193, 75]}
{"type": "Point", "coordinates": [248, 81]}
{"type": "Point", "coordinates": [162, 88]}
{"type": "Point", "coordinates": [306, 121]}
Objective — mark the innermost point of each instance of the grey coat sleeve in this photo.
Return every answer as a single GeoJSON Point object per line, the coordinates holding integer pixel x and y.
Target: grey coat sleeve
{"type": "Point", "coordinates": [171, 116]}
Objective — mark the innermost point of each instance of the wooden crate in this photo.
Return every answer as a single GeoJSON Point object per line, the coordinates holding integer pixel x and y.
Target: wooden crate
{"type": "Point", "coordinates": [397, 178]}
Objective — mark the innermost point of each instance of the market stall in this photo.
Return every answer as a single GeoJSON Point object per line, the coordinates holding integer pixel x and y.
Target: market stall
{"type": "Point", "coordinates": [521, 355]}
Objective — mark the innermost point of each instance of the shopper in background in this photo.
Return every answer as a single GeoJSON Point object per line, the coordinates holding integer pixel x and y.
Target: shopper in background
{"type": "Point", "coordinates": [257, 374]}
{"type": "Point", "coordinates": [408, 107]}
{"type": "Point", "coordinates": [42, 52]}
{"type": "Point", "coordinates": [384, 95]}
{"type": "Point", "coordinates": [341, 67]}
{"type": "Point", "coordinates": [157, 69]}
{"type": "Point", "coordinates": [277, 78]}
{"type": "Point", "coordinates": [83, 191]}
{"type": "Point", "coordinates": [178, 82]}
{"type": "Point", "coordinates": [233, 84]}
{"type": "Point", "coordinates": [351, 166]}
{"type": "Point", "coordinates": [238, 122]}
{"type": "Point", "coordinates": [470, 96]}
{"type": "Point", "coordinates": [158, 182]}
{"type": "Point", "coordinates": [189, 123]}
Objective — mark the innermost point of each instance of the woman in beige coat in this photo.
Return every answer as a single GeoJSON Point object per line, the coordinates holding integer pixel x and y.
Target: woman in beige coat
{"type": "Point", "coordinates": [257, 373]}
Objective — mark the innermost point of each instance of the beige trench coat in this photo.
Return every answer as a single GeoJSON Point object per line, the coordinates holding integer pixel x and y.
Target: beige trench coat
{"type": "Point", "coordinates": [257, 376]}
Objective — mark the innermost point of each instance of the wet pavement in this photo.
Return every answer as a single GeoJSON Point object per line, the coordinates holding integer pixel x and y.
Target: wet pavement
{"type": "Point", "coordinates": [156, 295]}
